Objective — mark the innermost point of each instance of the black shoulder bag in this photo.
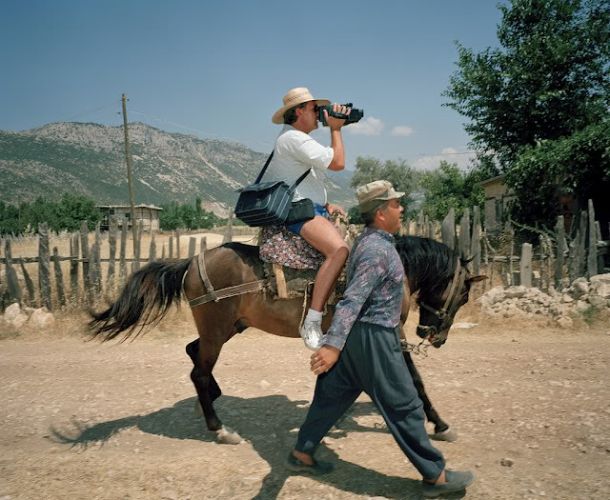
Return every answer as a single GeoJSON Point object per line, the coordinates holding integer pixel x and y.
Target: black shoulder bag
{"type": "Point", "coordinates": [269, 203]}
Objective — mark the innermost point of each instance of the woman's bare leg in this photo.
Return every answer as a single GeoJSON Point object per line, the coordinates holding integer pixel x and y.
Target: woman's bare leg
{"type": "Point", "coordinates": [323, 236]}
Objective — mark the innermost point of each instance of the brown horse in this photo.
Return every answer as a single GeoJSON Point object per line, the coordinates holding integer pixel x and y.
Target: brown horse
{"type": "Point", "coordinates": [222, 308]}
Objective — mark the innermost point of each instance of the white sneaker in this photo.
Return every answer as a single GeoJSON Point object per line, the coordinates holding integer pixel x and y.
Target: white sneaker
{"type": "Point", "coordinates": [311, 333]}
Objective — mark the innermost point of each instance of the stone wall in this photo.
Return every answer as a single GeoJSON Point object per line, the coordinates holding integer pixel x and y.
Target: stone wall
{"type": "Point", "coordinates": [579, 299]}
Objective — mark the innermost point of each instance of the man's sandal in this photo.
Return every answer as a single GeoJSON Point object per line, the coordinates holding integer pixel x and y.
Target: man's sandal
{"type": "Point", "coordinates": [456, 481]}
{"type": "Point", "coordinates": [317, 469]}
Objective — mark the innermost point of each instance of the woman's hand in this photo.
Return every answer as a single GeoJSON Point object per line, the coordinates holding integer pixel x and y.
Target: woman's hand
{"type": "Point", "coordinates": [335, 208]}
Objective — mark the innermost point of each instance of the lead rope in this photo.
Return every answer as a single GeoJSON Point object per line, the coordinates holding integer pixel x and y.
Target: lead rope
{"type": "Point", "coordinates": [417, 349]}
{"type": "Point", "coordinates": [305, 296]}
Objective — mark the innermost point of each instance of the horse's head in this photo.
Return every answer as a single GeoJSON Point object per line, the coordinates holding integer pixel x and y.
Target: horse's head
{"type": "Point", "coordinates": [439, 305]}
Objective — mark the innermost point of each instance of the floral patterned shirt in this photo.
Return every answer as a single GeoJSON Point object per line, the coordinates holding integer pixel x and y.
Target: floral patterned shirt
{"type": "Point", "coordinates": [374, 287]}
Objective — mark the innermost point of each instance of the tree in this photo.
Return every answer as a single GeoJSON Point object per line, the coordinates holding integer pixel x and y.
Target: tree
{"type": "Point", "coordinates": [72, 209]}
{"type": "Point", "coordinates": [578, 165]}
{"type": "Point", "coordinates": [549, 78]}
{"type": "Point", "coordinates": [449, 187]}
{"type": "Point", "coordinates": [399, 173]}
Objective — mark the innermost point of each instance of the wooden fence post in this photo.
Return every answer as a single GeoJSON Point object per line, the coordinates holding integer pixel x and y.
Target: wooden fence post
{"type": "Point", "coordinates": [577, 249]}
{"type": "Point", "coordinates": [74, 251]}
{"type": "Point", "coordinates": [448, 229]}
{"type": "Point", "coordinates": [137, 246]}
{"type": "Point", "coordinates": [97, 261]}
{"type": "Point", "coordinates": [177, 243]}
{"type": "Point", "coordinates": [171, 246]}
{"type": "Point", "coordinates": [122, 251]}
{"type": "Point", "coordinates": [44, 282]}
{"type": "Point", "coordinates": [59, 278]}
{"type": "Point", "coordinates": [592, 250]}
{"type": "Point", "coordinates": [112, 230]}
{"type": "Point", "coordinates": [228, 236]}
{"type": "Point", "coordinates": [475, 242]}
{"type": "Point", "coordinates": [464, 240]}
{"type": "Point", "coordinates": [525, 265]}
{"type": "Point", "coordinates": [192, 246]}
{"type": "Point", "coordinates": [511, 233]}
{"type": "Point", "coordinates": [29, 284]}
{"type": "Point", "coordinates": [14, 291]}
{"type": "Point", "coordinates": [419, 225]}
{"type": "Point", "coordinates": [152, 250]}
{"type": "Point", "coordinates": [560, 233]}
{"type": "Point", "coordinates": [203, 244]}
{"type": "Point", "coordinates": [84, 249]}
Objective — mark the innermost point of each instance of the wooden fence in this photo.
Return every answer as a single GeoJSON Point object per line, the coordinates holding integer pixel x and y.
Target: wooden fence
{"type": "Point", "coordinates": [84, 276]}
{"type": "Point", "coordinates": [91, 277]}
{"type": "Point", "coordinates": [557, 261]}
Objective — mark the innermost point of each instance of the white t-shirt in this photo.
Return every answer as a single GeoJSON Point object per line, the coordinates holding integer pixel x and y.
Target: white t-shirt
{"type": "Point", "coordinates": [295, 152]}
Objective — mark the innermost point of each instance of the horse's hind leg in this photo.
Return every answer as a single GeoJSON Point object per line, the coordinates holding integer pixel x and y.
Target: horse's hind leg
{"type": "Point", "coordinates": [204, 355]}
{"type": "Point", "coordinates": [441, 428]}
{"type": "Point", "coordinates": [213, 389]}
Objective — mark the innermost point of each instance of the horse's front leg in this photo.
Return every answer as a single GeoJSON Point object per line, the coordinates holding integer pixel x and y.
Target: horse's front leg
{"type": "Point", "coordinates": [208, 391]}
{"type": "Point", "coordinates": [441, 429]}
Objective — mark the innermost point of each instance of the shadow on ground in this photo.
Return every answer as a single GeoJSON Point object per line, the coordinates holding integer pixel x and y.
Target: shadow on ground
{"type": "Point", "coordinates": [269, 434]}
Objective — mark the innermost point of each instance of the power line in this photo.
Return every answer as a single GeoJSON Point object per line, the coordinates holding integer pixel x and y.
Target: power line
{"type": "Point", "coordinates": [89, 111]}
{"type": "Point", "coordinates": [201, 133]}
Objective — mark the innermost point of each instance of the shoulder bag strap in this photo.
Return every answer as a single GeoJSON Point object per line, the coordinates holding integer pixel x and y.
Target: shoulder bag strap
{"type": "Point", "coordinates": [262, 172]}
{"type": "Point", "coordinates": [264, 169]}
{"type": "Point", "coordinates": [299, 180]}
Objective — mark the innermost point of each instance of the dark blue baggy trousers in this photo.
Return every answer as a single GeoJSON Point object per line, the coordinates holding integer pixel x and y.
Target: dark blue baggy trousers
{"type": "Point", "coordinates": [372, 361]}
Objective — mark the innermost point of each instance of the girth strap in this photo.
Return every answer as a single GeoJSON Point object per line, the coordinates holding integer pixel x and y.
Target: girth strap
{"type": "Point", "coordinates": [203, 274]}
{"type": "Point", "coordinates": [231, 291]}
{"type": "Point", "coordinates": [223, 293]}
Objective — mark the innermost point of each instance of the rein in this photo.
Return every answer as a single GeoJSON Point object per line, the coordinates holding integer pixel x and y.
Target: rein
{"type": "Point", "coordinates": [451, 303]}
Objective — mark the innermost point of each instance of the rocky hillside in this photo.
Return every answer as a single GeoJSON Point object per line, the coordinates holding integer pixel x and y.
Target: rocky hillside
{"type": "Point", "coordinates": [88, 158]}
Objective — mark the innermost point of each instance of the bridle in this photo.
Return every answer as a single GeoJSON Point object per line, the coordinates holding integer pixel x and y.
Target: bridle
{"type": "Point", "coordinates": [452, 303]}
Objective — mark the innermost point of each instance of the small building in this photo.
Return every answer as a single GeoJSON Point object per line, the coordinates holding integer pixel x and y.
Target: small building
{"type": "Point", "coordinates": [497, 197]}
{"type": "Point", "coordinates": [148, 215]}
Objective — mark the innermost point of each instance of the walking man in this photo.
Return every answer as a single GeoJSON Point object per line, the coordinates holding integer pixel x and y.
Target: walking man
{"type": "Point", "coordinates": [361, 352]}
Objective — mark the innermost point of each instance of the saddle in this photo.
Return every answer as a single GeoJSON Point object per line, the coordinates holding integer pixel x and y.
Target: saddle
{"type": "Point", "coordinates": [291, 264]}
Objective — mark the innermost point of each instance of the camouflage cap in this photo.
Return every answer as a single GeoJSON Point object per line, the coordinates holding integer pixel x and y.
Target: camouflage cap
{"type": "Point", "coordinates": [374, 194]}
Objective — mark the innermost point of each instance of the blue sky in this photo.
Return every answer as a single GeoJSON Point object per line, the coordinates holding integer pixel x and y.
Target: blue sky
{"type": "Point", "coordinates": [219, 68]}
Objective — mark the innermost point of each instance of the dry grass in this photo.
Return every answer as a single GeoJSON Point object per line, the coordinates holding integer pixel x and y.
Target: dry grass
{"type": "Point", "coordinates": [28, 246]}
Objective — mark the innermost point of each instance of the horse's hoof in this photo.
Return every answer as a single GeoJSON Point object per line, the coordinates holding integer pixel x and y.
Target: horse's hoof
{"type": "Point", "coordinates": [197, 409]}
{"type": "Point", "coordinates": [225, 435]}
{"type": "Point", "coordinates": [448, 435]}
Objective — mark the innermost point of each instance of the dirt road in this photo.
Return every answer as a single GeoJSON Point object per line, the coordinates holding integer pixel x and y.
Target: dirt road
{"type": "Point", "coordinates": [90, 420]}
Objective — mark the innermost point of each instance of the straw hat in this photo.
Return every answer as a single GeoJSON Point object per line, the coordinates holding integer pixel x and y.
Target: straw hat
{"type": "Point", "coordinates": [374, 194]}
{"type": "Point", "coordinates": [293, 98]}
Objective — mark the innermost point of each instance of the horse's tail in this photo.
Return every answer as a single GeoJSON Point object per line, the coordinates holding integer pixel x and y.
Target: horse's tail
{"type": "Point", "coordinates": [144, 300]}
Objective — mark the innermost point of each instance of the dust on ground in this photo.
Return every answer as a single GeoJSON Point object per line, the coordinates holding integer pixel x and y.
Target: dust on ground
{"type": "Point", "coordinates": [82, 419]}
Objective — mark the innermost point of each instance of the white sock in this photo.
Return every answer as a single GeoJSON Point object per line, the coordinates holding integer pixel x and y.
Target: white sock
{"type": "Point", "coordinates": [313, 316]}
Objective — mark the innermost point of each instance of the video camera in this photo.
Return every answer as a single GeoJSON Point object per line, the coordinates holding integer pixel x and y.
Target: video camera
{"type": "Point", "coordinates": [354, 116]}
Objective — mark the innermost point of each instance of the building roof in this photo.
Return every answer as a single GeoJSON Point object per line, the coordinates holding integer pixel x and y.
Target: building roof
{"type": "Point", "coordinates": [128, 207]}
{"type": "Point", "coordinates": [491, 180]}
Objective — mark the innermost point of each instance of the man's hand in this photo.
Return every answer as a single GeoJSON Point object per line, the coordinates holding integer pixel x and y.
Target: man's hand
{"type": "Point", "coordinates": [324, 359]}
{"type": "Point", "coordinates": [336, 123]}
{"type": "Point", "coordinates": [335, 208]}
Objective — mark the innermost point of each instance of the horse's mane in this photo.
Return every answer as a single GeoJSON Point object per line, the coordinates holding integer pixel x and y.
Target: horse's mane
{"type": "Point", "coordinates": [242, 249]}
{"type": "Point", "coordinates": [428, 264]}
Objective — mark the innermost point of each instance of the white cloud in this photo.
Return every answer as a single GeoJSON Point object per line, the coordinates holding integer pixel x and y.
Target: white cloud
{"type": "Point", "coordinates": [402, 131]}
{"type": "Point", "coordinates": [368, 126]}
{"type": "Point", "coordinates": [451, 155]}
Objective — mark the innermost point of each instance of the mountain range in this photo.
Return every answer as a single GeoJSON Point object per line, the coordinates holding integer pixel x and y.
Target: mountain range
{"type": "Point", "coordinates": [89, 159]}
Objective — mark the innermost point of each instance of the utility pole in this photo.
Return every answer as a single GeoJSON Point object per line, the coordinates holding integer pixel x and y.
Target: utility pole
{"type": "Point", "coordinates": [134, 229]}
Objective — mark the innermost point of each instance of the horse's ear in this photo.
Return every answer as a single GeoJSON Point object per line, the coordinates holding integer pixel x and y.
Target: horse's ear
{"type": "Point", "coordinates": [474, 279]}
